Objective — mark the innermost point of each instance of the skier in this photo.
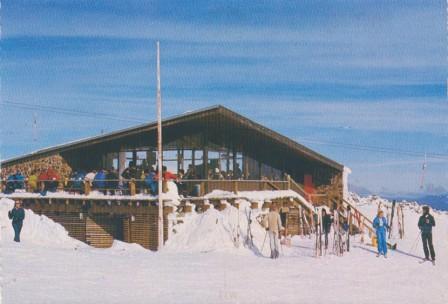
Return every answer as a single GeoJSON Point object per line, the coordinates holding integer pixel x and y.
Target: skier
{"type": "Point", "coordinates": [425, 223]}
{"type": "Point", "coordinates": [381, 226]}
{"type": "Point", "coordinates": [17, 214]}
{"type": "Point", "coordinates": [273, 224]}
{"type": "Point", "coordinates": [326, 223]}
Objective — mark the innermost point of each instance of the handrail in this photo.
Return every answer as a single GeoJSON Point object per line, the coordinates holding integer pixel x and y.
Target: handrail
{"type": "Point", "coordinates": [142, 180]}
{"type": "Point", "coordinates": [125, 185]}
{"type": "Point", "coordinates": [356, 208]}
{"type": "Point", "coordinates": [300, 189]}
{"type": "Point", "coordinates": [361, 214]}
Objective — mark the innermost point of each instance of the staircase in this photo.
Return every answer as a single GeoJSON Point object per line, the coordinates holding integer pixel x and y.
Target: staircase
{"type": "Point", "coordinates": [358, 219]}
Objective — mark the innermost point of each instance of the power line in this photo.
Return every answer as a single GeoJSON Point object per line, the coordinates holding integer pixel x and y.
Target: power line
{"type": "Point", "coordinates": [58, 110]}
{"type": "Point", "coordinates": [349, 146]}
{"type": "Point", "coordinates": [376, 149]}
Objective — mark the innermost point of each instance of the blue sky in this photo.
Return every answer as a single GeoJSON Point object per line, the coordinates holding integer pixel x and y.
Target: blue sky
{"type": "Point", "coordinates": [363, 73]}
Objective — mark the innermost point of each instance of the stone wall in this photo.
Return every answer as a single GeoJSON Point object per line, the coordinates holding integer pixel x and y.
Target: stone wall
{"type": "Point", "coordinates": [38, 165]}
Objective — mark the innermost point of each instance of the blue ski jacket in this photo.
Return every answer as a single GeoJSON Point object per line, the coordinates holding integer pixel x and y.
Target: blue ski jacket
{"type": "Point", "coordinates": [99, 182]}
{"type": "Point", "coordinates": [380, 224]}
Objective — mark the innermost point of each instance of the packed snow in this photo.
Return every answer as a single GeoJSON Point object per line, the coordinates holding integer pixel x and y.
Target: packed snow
{"type": "Point", "coordinates": [37, 230]}
{"type": "Point", "coordinates": [206, 260]}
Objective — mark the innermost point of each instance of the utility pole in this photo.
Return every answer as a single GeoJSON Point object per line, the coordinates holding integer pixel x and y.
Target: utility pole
{"type": "Point", "coordinates": [159, 152]}
{"type": "Point", "coordinates": [34, 127]}
{"type": "Point", "coordinates": [422, 180]}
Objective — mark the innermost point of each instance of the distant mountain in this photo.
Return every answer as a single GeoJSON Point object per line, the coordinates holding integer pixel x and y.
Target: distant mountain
{"type": "Point", "coordinates": [360, 190]}
{"type": "Point", "coordinates": [439, 201]}
{"type": "Point", "coordinates": [436, 197]}
{"type": "Point", "coordinates": [435, 201]}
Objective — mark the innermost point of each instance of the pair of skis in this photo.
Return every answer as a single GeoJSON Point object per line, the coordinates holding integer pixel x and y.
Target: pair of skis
{"type": "Point", "coordinates": [338, 241]}
{"type": "Point", "coordinates": [248, 241]}
{"type": "Point", "coordinates": [318, 231]}
{"type": "Point", "coordinates": [426, 260]}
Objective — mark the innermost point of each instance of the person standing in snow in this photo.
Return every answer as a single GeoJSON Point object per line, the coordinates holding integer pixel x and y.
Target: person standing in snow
{"type": "Point", "coordinates": [273, 224]}
{"type": "Point", "coordinates": [17, 215]}
{"type": "Point", "coordinates": [381, 227]}
{"type": "Point", "coordinates": [326, 225]}
{"type": "Point", "coordinates": [425, 224]}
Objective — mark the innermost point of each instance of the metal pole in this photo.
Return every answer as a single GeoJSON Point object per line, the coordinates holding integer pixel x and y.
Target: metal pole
{"type": "Point", "coordinates": [159, 154]}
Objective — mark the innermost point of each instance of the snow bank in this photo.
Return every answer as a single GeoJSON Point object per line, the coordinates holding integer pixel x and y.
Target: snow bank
{"type": "Point", "coordinates": [126, 248]}
{"type": "Point", "coordinates": [172, 196]}
{"type": "Point", "coordinates": [36, 229]}
{"type": "Point", "coordinates": [214, 230]}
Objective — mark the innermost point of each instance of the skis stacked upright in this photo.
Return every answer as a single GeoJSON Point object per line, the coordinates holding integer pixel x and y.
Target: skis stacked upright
{"type": "Point", "coordinates": [348, 227]}
{"type": "Point", "coordinates": [306, 223]}
{"type": "Point", "coordinates": [391, 223]}
{"type": "Point", "coordinates": [301, 224]}
{"type": "Point", "coordinates": [318, 232]}
{"type": "Point", "coordinates": [249, 237]}
{"type": "Point", "coordinates": [338, 246]}
{"type": "Point", "coordinates": [400, 217]}
{"type": "Point", "coordinates": [236, 232]}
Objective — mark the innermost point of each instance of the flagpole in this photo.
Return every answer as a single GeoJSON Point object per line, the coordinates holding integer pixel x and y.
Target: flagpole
{"type": "Point", "coordinates": [159, 153]}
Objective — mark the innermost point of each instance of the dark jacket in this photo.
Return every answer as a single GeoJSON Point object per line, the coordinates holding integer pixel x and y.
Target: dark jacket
{"type": "Point", "coordinates": [426, 222]}
{"type": "Point", "coordinates": [112, 180]}
{"type": "Point", "coordinates": [130, 172]}
{"type": "Point", "coordinates": [326, 223]}
{"type": "Point", "coordinates": [16, 215]}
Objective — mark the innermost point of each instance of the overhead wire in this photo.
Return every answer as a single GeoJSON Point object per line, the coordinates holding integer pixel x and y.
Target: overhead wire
{"type": "Point", "coordinates": [350, 146]}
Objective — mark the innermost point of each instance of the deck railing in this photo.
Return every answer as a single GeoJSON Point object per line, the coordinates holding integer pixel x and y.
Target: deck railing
{"type": "Point", "coordinates": [187, 187]}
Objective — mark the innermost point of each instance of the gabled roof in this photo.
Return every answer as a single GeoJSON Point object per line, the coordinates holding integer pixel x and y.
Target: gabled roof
{"type": "Point", "coordinates": [185, 117]}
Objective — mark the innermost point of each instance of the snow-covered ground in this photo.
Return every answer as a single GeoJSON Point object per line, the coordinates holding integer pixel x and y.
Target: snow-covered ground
{"type": "Point", "coordinates": [205, 261]}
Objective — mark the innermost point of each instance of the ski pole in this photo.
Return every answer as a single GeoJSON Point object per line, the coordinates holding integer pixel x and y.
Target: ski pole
{"type": "Point", "coordinates": [414, 246]}
{"type": "Point", "coordinates": [264, 241]}
{"type": "Point", "coordinates": [281, 245]}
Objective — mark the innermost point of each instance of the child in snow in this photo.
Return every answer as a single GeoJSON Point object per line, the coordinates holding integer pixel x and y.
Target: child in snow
{"type": "Point", "coordinates": [425, 224]}
{"type": "Point", "coordinates": [381, 227]}
{"type": "Point", "coordinates": [17, 214]}
{"type": "Point", "coordinates": [273, 224]}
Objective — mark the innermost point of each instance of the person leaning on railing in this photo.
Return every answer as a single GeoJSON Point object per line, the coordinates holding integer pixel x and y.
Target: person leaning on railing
{"type": "Point", "coordinates": [14, 182]}
{"type": "Point", "coordinates": [32, 181]}
{"type": "Point", "coordinates": [99, 181]}
{"type": "Point", "coordinates": [150, 181]}
{"type": "Point", "coordinates": [112, 179]}
{"type": "Point", "coordinates": [76, 182]}
{"type": "Point", "coordinates": [48, 180]}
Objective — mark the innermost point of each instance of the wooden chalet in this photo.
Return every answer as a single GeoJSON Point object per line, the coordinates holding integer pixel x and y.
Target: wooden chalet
{"type": "Point", "coordinates": [210, 140]}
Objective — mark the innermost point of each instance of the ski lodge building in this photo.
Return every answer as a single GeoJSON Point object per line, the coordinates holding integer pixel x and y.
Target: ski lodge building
{"type": "Point", "coordinates": [207, 140]}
